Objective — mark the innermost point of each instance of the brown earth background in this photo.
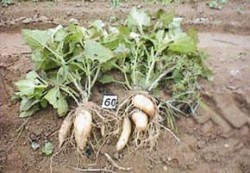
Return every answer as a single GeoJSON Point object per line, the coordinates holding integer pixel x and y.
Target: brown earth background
{"type": "Point", "coordinates": [215, 140]}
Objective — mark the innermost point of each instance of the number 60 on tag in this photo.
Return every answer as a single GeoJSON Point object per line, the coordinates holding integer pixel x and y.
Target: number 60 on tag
{"type": "Point", "coordinates": [109, 101]}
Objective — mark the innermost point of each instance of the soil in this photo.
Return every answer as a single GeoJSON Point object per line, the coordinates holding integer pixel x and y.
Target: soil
{"type": "Point", "coordinates": [217, 139]}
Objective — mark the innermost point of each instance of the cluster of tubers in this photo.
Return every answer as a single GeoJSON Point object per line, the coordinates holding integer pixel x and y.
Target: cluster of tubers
{"type": "Point", "coordinates": [82, 121]}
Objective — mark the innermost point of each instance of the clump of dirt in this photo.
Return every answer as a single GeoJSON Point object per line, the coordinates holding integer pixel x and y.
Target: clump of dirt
{"type": "Point", "coordinates": [217, 138]}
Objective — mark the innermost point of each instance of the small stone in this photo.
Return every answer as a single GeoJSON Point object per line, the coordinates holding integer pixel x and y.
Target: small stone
{"type": "Point", "coordinates": [74, 21]}
{"type": "Point", "coordinates": [78, 5]}
{"type": "Point", "coordinates": [169, 159]}
{"type": "Point", "coordinates": [68, 13]}
{"type": "Point", "coordinates": [200, 144]}
{"type": "Point", "coordinates": [165, 168]}
{"type": "Point", "coordinates": [226, 145]}
{"type": "Point", "coordinates": [20, 19]}
{"type": "Point", "coordinates": [12, 22]}
{"type": "Point", "coordinates": [230, 87]}
{"type": "Point", "coordinates": [26, 21]}
{"type": "Point", "coordinates": [35, 146]}
{"type": "Point", "coordinates": [36, 16]}
{"type": "Point", "coordinates": [207, 127]}
{"type": "Point", "coordinates": [139, 6]}
{"type": "Point", "coordinates": [42, 19]}
{"type": "Point", "coordinates": [116, 156]}
{"type": "Point", "coordinates": [234, 72]}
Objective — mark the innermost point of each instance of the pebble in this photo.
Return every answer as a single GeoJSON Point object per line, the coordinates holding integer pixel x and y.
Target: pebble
{"type": "Point", "coordinates": [169, 159]}
{"type": "Point", "coordinates": [69, 13]}
{"type": "Point", "coordinates": [26, 21]}
{"type": "Point", "coordinates": [139, 6]}
{"type": "Point", "coordinates": [234, 72]}
{"type": "Point", "coordinates": [35, 146]}
{"type": "Point", "coordinates": [12, 22]}
{"type": "Point", "coordinates": [165, 168]}
{"type": "Point", "coordinates": [42, 18]}
{"type": "Point", "coordinates": [20, 19]}
{"type": "Point", "coordinates": [36, 16]}
{"type": "Point", "coordinates": [226, 145]}
{"type": "Point", "coordinates": [74, 21]}
{"type": "Point", "coordinates": [200, 144]}
{"type": "Point", "coordinates": [116, 156]}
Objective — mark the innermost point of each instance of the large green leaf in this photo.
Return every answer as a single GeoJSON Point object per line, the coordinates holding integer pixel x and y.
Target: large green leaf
{"type": "Point", "coordinates": [95, 51]}
{"type": "Point", "coordinates": [57, 100]}
{"type": "Point", "coordinates": [183, 44]}
{"type": "Point", "coordinates": [36, 39]}
{"type": "Point", "coordinates": [138, 18]}
{"type": "Point", "coordinates": [27, 86]}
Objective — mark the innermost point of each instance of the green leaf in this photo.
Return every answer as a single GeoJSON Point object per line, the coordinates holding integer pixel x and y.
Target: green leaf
{"type": "Point", "coordinates": [121, 49]}
{"type": "Point", "coordinates": [29, 112]}
{"type": "Point", "coordinates": [183, 44]}
{"type": "Point", "coordinates": [98, 24]}
{"type": "Point", "coordinates": [107, 78]}
{"type": "Point", "coordinates": [57, 100]}
{"type": "Point", "coordinates": [95, 51]}
{"type": "Point", "coordinates": [27, 103]}
{"type": "Point", "coordinates": [62, 75]}
{"type": "Point", "coordinates": [175, 26]}
{"type": "Point", "coordinates": [36, 39]}
{"type": "Point", "coordinates": [165, 18]}
{"type": "Point", "coordinates": [193, 34]}
{"type": "Point", "coordinates": [48, 148]}
{"type": "Point", "coordinates": [138, 18]}
{"type": "Point", "coordinates": [27, 86]}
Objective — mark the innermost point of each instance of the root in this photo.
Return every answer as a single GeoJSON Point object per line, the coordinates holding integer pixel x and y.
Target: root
{"type": "Point", "coordinates": [51, 159]}
{"type": "Point", "coordinates": [19, 130]}
{"type": "Point", "coordinates": [172, 133]}
{"type": "Point", "coordinates": [115, 164]}
{"type": "Point", "coordinates": [93, 170]}
{"type": "Point", "coordinates": [149, 137]}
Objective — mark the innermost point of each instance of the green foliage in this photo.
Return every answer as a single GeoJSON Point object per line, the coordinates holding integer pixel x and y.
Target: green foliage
{"type": "Point", "coordinates": [65, 57]}
{"type": "Point", "coordinates": [115, 3]}
{"type": "Point", "coordinates": [48, 148]}
{"type": "Point", "coordinates": [150, 54]}
{"type": "Point", "coordinates": [216, 4]}
{"type": "Point", "coordinates": [6, 3]}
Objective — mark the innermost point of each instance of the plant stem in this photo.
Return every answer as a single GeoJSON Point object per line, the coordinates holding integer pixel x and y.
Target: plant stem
{"type": "Point", "coordinates": [96, 75]}
{"type": "Point", "coordinates": [155, 83]}
{"type": "Point", "coordinates": [149, 72]}
{"type": "Point", "coordinates": [134, 67]}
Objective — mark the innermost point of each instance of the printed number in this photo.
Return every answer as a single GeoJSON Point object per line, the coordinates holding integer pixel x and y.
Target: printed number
{"type": "Point", "coordinates": [109, 102]}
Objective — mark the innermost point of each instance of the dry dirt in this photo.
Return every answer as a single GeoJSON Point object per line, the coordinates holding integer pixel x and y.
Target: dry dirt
{"type": "Point", "coordinates": [217, 139]}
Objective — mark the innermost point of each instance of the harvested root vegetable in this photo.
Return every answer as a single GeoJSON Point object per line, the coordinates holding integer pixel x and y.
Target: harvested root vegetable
{"type": "Point", "coordinates": [102, 130]}
{"type": "Point", "coordinates": [65, 129]}
{"type": "Point", "coordinates": [140, 120]}
{"type": "Point", "coordinates": [82, 127]}
{"type": "Point", "coordinates": [144, 103]}
{"type": "Point", "coordinates": [126, 131]}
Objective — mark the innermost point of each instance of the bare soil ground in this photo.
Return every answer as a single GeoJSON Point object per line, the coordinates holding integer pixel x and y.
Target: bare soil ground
{"type": "Point", "coordinates": [217, 139]}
